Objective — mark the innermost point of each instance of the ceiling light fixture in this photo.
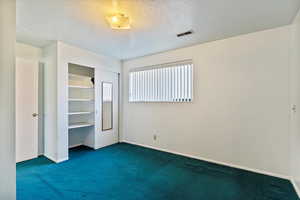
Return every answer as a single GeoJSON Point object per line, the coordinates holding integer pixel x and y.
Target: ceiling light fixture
{"type": "Point", "coordinates": [119, 21]}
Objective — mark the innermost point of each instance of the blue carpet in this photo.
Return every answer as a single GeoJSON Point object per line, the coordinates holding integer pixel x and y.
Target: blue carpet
{"type": "Point", "coordinates": [129, 172]}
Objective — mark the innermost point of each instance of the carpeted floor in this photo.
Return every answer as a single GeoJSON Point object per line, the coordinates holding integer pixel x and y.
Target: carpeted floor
{"type": "Point", "coordinates": [129, 172]}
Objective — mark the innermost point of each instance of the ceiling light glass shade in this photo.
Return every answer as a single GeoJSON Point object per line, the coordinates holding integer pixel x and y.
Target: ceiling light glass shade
{"type": "Point", "coordinates": [119, 21]}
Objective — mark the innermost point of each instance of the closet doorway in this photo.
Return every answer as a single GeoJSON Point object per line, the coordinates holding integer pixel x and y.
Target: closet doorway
{"type": "Point", "coordinates": [93, 106]}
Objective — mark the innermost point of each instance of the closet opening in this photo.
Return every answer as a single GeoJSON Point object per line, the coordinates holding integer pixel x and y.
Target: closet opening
{"type": "Point", "coordinates": [81, 105]}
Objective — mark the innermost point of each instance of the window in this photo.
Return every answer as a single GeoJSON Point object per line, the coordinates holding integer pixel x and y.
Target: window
{"type": "Point", "coordinates": [171, 82]}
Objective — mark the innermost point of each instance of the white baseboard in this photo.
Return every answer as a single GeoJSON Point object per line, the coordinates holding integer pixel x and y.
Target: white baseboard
{"type": "Point", "coordinates": [30, 158]}
{"type": "Point", "coordinates": [106, 145]}
{"type": "Point", "coordinates": [56, 160]}
{"type": "Point", "coordinates": [213, 161]}
{"type": "Point", "coordinates": [50, 157]}
{"type": "Point", "coordinates": [296, 187]}
{"type": "Point", "coordinates": [75, 145]}
{"type": "Point", "coordinates": [61, 160]}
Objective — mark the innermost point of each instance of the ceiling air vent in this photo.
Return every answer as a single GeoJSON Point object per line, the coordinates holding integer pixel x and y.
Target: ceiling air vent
{"type": "Point", "coordinates": [185, 33]}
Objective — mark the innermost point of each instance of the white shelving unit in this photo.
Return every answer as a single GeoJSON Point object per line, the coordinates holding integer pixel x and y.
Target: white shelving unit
{"type": "Point", "coordinates": [81, 87]}
{"type": "Point", "coordinates": [78, 76]}
{"type": "Point", "coordinates": [80, 113]}
{"type": "Point", "coordinates": [79, 125]}
{"type": "Point", "coordinates": [81, 99]}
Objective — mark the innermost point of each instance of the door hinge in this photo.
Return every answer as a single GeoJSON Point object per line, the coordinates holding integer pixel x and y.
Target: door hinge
{"type": "Point", "coordinates": [294, 108]}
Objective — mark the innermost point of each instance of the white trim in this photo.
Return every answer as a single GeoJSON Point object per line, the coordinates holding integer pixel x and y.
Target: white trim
{"type": "Point", "coordinates": [213, 161]}
{"type": "Point", "coordinates": [30, 158]}
{"type": "Point", "coordinates": [106, 145]}
{"type": "Point", "coordinates": [56, 161]}
{"type": "Point", "coordinates": [296, 187]}
{"type": "Point", "coordinates": [62, 160]}
{"type": "Point", "coordinates": [75, 145]}
{"type": "Point", "coordinates": [50, 157]}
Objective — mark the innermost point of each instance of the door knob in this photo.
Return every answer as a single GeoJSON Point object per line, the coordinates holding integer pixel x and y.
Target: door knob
{"type": "Point", "coordinates": [35, 115]}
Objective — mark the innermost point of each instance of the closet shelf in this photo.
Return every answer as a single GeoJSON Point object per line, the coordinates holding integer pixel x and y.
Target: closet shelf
{"type": "Point", "coordinates": [79, 76]}
{"type": "Point", "coordinates": [73, 99]}
{"type": "Point", "coordinates": [80, 113]}
{"type": "Point", "coordinates": [79, 125]}
{"type": "Point", "coordinates": [81, 86]}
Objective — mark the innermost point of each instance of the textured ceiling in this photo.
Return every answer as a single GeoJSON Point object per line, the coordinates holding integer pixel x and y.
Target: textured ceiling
{"type": "Point", "coordinates": [155, 23]}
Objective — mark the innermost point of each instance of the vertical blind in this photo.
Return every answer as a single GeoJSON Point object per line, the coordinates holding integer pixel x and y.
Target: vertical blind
{"type": "Point", "coordinates": [171, 82]}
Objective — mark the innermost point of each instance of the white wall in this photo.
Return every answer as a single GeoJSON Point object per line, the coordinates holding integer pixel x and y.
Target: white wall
{"type": "Point", "coordinates": [50, 97]}
{"type": "Point", "coordinates": [7, 103]}
{"type": "Point", "coordinates": [295, 100]}
{"type": "Point", "coordinates": [240, 112]}
{"type": "Point", "coordinates": [29, 52]}
{"type": "Point", "coordinates": [70, 54]}
{"type": "Point", "coordinates": [57, 58]}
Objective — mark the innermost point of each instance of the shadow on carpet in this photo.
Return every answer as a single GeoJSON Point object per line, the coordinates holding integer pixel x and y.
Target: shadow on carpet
{"type": "Point", "coordinates": [129, 172]}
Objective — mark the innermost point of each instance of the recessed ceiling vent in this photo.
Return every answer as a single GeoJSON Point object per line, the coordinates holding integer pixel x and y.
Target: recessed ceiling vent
{"type": "Point", "coordinates": [185, 33]}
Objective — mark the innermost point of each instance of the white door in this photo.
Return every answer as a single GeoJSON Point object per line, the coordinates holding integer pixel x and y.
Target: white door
{"type": "Point", "coordinates": [26, 109]}
{"type": "Point", "coordinates": [107, 108]}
